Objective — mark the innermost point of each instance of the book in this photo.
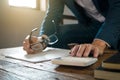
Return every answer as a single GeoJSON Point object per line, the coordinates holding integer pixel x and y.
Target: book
{"type": "Point", "coordinates": [74, 61]}
{"type": "Point", "coordinates": [107, 74]}
{"type": "Point", "coordinates": [113, 62]}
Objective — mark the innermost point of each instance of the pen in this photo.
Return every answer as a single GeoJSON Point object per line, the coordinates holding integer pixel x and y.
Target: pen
{"type": "Point", "coordinates": [30, 35]}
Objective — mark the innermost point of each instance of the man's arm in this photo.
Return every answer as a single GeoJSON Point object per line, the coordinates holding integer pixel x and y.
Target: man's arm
{"type": "Point", "coordinates": [54, 12]}
{"type": "Point", "coordinates": [108, 33]}
{"type": "Point", "coordinates": [110, 30]}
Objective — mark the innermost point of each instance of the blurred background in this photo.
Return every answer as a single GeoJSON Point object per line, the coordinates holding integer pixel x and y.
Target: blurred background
{"type": "Point", "coordinates": [18, 18]}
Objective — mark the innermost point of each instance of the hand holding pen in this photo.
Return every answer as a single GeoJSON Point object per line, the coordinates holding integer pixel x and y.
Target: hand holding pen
{"type": "Point", "coordinates": [33, 44]}
{"type": "Point", "coordinates": [27, 44]}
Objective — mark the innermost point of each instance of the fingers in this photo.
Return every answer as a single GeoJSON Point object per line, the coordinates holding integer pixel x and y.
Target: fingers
{"type": "Point", "coordinates": [96, 52]}
{"type": "Point", "coordinates": [80, 50]}
{"type": "Point", "coordinates": [26, 47]}
{"type": "Point", "coordinates": [84, 50]}
{"type": "Point", "coordinates": [26, 44]}
{"type": "Point", "coordinates": [88, 50]}
{"type": "Point", "coordinates": [74, 50]}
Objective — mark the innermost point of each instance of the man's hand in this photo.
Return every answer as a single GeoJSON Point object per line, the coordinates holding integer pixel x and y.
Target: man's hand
{"type": "Point", "coordinates": [96, 48]}
{"type": "Point", "coordinates": [35, 46]}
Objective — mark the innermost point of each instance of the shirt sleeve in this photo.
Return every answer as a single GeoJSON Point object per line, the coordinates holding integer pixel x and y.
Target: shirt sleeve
{"type": "Point", "coordinates": [108, 45]}
{"type": "Point", "coordinates": [110, 30]}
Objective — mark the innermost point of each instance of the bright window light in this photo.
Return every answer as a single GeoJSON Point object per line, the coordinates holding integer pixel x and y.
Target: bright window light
{"type": "Point", "coordinates": [43, 5]}
{"type": "Point", "coordinates": [23, 3]}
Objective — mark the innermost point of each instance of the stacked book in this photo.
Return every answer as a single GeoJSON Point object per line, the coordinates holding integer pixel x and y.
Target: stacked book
{"type": "Point", "coordinates": [110, 68]}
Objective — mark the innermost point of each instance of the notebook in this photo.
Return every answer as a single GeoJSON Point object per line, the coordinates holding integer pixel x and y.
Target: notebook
{"type": "Point", "coordinates": [75, 61]}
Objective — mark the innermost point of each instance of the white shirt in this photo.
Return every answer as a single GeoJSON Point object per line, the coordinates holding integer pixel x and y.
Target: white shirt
{"type": "Point", "coordinates": [91, 10]}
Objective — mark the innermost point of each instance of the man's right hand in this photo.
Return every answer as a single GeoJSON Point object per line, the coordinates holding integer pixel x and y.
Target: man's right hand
{"type": "Point", "coordinates": [27, 44]}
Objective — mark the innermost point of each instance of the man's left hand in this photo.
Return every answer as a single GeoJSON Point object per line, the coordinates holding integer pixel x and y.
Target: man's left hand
{"type": "Point", "coordinates": [96, 49]}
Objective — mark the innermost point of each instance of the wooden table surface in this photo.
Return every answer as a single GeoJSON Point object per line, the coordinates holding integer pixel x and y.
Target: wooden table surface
{"type": "Point", "coordinates": [12, 69]}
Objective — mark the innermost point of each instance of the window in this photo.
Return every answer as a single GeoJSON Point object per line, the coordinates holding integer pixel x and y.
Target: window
{"type": "Point", "coordinates": [43, 5]}
{"type": "Point", "coordinates": [36, 4]}
{"type": "Point", "coordinates": [23, 3]}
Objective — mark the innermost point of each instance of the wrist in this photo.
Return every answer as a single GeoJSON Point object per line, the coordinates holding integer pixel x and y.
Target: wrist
{"type": "Point", "coordinates": [100, 44]}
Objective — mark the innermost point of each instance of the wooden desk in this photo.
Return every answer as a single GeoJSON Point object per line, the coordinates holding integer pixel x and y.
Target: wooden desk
{"type": "Point", "coordinates": [12, 69]}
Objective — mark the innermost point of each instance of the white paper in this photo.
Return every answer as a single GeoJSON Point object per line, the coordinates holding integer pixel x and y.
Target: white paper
{"type": "Point", "coordinates": [47, 54]}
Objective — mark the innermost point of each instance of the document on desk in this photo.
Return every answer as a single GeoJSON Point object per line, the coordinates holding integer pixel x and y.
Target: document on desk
{"type": "Point", "coordinates": [56, 55]}
{"type": "Point", "coordinates": [47, 54]}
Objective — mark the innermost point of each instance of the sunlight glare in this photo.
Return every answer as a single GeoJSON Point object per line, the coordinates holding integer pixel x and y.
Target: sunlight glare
{"type": "Point", "coordinates": [23, 3]}
{"type": "Point", "coordinates": [43, 5]}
